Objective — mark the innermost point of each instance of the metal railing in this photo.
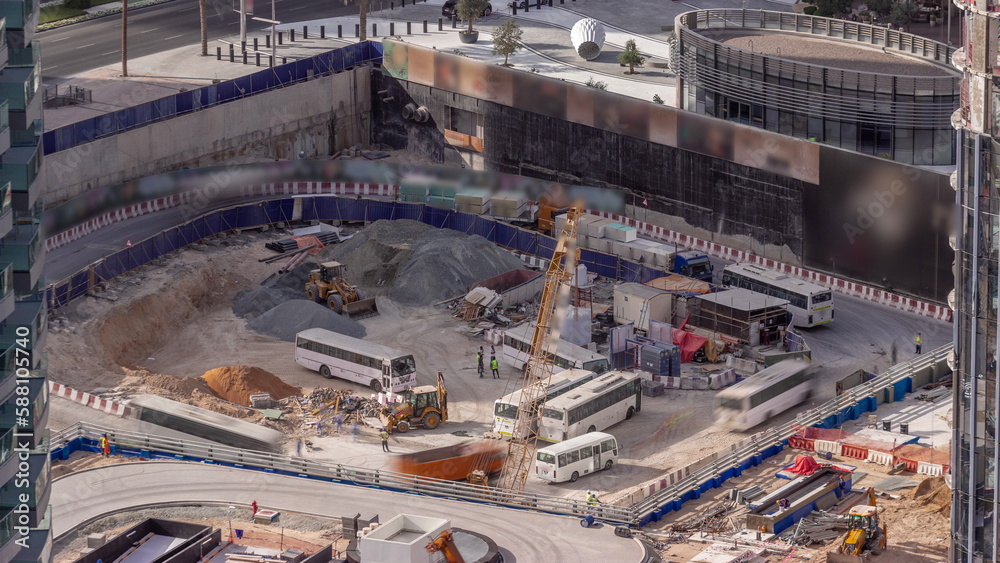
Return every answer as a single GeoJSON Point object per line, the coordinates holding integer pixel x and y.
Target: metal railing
{"type": "Point", "coordinates": [132, 443]}
{"type": "Point", "coordinates": [779, 435]}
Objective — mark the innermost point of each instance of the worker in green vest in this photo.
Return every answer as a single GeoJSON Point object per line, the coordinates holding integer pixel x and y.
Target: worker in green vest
{"type": "Point", "coordinates": [495, 366]}
{"type": "Point", "coordinates": [919, 343]}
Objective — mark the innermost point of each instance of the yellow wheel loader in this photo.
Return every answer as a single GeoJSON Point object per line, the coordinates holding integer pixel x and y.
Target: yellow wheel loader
{"type": "Point", "coordinates": [327, 285]}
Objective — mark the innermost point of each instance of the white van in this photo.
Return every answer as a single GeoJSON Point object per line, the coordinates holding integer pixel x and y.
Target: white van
{"type": "Point", "coordinates": [567, 461]}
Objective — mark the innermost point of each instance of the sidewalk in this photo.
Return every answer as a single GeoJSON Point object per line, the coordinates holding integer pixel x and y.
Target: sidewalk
{"type": "Point", "coordinates": [547, 49]}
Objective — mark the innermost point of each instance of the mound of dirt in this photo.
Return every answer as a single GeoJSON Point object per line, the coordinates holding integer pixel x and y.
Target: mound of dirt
{"type": "Point", "coordinates": [933, 495]}
{"type": "Point", "coordinates": [236, 383]}
{"type": "Point", "coordinates": [291, 317]}
{"type": "Point", "coordinates": [256, 302]}
{"type": "Point", "coordinates": [144, 381]}
{"type": "Point", "coordinates": [131, 332]}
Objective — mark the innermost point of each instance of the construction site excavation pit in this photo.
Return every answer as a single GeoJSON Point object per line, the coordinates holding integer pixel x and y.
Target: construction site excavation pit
{"type": "Point", "coordinates": [160, 330]}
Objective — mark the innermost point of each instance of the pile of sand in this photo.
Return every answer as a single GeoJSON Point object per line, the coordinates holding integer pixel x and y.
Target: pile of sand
{"type": "Point", "coordinates": [236, 383]}
{"type": "Point", "coordinates": [933, 495]}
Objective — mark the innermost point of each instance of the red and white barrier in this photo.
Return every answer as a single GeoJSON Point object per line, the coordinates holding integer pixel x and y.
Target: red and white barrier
{"type": "Point", "coordinates": [881, 458]}
{"type": "Point", "coordinates": [862, 291]}
{"type": "Point", "coordinates": [800, 443]}
{"type": "Point", "coordinates": [106, 405]}
{"type": "Point", "coordinates": [827, 446]}
{"type": "Point", "coordinates": [853, 452]}
{"type": "Point", "coordinates": [932, 469]}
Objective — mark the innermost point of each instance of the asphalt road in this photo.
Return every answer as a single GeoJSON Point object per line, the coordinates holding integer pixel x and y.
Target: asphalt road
{"type": "Point", "coordinates": [74, 49]}
{"type": "Point", "coordinates": [526, 536]}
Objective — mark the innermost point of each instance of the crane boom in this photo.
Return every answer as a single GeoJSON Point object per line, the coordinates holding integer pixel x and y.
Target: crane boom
{"type": "Point", "coordinates": [538, 369]}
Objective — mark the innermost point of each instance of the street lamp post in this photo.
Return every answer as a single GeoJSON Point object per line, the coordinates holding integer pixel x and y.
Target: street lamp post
{"type": "Point", "coordinates": [125, 38]}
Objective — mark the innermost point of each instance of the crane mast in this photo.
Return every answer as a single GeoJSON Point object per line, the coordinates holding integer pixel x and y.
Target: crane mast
{"type": "Point", "coordinates": [538, 369]}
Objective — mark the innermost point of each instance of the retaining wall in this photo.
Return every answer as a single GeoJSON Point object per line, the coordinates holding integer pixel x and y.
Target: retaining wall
{"type": "Point", "coordinates": [318, 117]}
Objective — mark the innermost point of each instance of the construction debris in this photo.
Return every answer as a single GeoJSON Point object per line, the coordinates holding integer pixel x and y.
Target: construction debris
{"type": "Point", "coordinates": [894, 484]}
{"type": "Point", "coordinates": [818, 527]}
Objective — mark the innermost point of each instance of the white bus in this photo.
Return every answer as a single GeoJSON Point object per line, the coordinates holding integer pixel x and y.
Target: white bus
{"type": "Point", "coordinates": [810, 304]}
{"type": "Point", "coordinates": [516, 351]}
{"type": "Point", "coordinates": [505, 408]}
{"type": "Point", "coordinates": [765, 394]}
{"type": "Point", "coordinates": [567, 461]}
{"type": "Point", "coordinates": [336, 355]}
{"type": "Point", "coordinates": [596, 405]}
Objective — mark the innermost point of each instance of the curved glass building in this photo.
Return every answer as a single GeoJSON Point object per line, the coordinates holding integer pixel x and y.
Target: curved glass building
{"type": "Point", "coordinates": [847, 84]}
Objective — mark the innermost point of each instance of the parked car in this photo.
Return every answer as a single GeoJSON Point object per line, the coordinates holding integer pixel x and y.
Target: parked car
{"type": "Point", "coordinates": [450, 9]}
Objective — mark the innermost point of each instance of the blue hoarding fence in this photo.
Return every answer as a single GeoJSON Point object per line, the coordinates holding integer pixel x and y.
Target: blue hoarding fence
{"type": "Point", "coordinates": [182, 103]}
{"type": "Point", "coordinates": [269, 212]}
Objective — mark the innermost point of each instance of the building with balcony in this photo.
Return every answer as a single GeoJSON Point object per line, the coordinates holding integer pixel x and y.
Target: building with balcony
{"type": "Point", "coordinates": [24, 462]}
{"type": "Point", "coordinates": [851, 85]}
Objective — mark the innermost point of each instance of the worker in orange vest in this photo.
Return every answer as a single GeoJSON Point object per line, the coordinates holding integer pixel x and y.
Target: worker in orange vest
{"type": "Point", "coordinates": [105, 445]}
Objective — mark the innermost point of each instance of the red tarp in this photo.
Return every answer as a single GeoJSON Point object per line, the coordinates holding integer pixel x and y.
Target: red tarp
{"type": "Point", "coordinates": [804, 465]}
{"type": "Point", "coordinates": [689, 343]}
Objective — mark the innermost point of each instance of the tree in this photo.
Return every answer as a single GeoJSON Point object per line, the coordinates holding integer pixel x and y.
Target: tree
{"type": "Point", "coordinates": [471, 10]}
{"type": "Point", "coordinates": [507, 39]}
{"type": "Point", "coordinates": [631, 56]}
{"type": "Point", "coordinates": [881, 7]}
{"type": "Point", "coordinates": [203, 16]}
{"type": "Point", "coordinates": [903, 13]}
{"type": "Point", "coordinates": [363, 13]}
{"type": "Point", "coordinates": [830, 8]}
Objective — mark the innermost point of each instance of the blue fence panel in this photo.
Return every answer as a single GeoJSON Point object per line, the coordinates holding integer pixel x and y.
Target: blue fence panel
{"type": "Point", "coordinates": [546, 247]}
{"type": "Point", "coordinates": [902, 387]}
{"type": "Point", "coordinates": [184, 102]}
{"type": "Point", "coordinates": [464, 223]}
{"type": "Point", "coordinates": [506, 235]}
{"type": "Point", "coordinates": [437, 217]}
{"type": "Point", "coordinates": [527, 241]}
{"type": "Point", "coordinates": [630, 271]}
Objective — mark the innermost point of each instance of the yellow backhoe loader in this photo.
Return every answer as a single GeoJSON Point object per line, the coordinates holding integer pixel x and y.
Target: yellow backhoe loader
{"type": "Point", "coordinates": [327, 285]}
{"type": "Point", "coordinates": [868, 534]}
{"type": "Point", "coordinates": [425, 406]}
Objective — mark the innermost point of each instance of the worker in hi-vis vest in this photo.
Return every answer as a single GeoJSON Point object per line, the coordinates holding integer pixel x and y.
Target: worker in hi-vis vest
{"type": "Point", "coordinates": [918, 342]}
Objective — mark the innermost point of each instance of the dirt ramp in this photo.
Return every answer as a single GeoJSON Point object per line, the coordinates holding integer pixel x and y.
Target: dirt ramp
{"type": "Point", "coordinates": [129, 334]}
{"type": "Point", "coordinates": [236, 383]}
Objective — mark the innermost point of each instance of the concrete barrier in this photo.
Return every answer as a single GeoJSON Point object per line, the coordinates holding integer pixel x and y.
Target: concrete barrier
{"type": "Point", "coordinates": [106, 405]}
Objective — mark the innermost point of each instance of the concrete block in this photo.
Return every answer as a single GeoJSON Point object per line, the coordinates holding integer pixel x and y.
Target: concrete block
{"type": "Point", "coordinates": [96, 540]}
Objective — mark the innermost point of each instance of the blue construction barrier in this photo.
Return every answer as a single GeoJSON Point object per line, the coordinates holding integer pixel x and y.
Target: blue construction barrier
{"type": "Point", "coordinates": [182, 103]}
{"type": "Point", "coordinates": [333, 209]}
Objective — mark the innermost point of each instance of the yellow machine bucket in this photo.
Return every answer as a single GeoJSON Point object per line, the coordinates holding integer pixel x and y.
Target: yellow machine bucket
{"type": "Point", "coordinates": [361, 309]}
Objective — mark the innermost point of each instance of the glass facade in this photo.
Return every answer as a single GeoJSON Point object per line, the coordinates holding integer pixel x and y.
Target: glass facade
{"type": "Point", "coordinates": [25, 527]}
{"type": "Point", "coordinates": [975, 449]}
{"type": "Point", "coordinates": [902, 118]}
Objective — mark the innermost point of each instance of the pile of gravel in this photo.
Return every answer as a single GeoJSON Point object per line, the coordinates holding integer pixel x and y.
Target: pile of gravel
{"type": "Point", "coordinates": [291, 317]}
{"type": "Point", "coordinates": [415, 264]}
{"type": "Point", "coordinates": [256, 302]}
{"type": "Point", "coordinates": [443, 265]}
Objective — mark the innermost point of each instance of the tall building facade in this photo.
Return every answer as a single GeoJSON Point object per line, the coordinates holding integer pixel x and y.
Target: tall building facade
{"type": "Point", "coordinates": [25, 514]}
{"type": "Point", "coordinates": [974, 446]}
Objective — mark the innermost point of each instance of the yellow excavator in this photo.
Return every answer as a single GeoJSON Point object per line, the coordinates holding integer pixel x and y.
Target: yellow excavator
{"type": "Point", "coordinates": [327, 285]}
{"type": "Point", "coordinates": [425, 406]}
{"type": "Point", "coordinates": [868, 534]}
